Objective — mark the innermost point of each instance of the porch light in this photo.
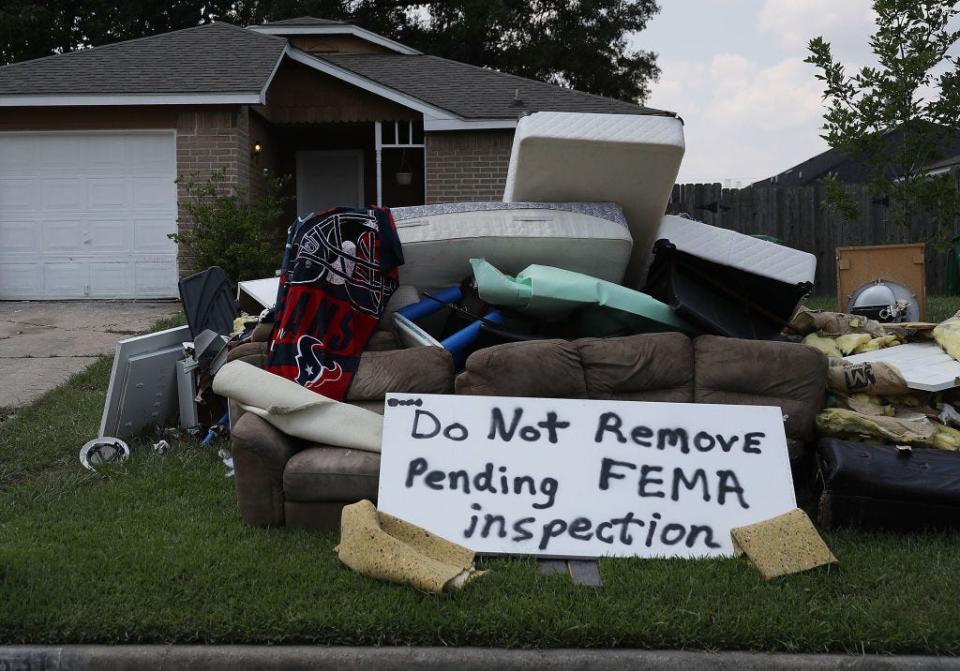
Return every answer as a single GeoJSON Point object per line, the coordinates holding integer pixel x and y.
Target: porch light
{"type": "Point", "coordinates": [256, 148]}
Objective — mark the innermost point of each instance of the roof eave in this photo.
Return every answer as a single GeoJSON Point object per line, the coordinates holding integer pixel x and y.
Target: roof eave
{"type": "Point", "coordinates": [129, 99]}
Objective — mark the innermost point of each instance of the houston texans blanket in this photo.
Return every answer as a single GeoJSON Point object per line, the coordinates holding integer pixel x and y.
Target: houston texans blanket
{"type": "Point", "coordinates": [338, 274]}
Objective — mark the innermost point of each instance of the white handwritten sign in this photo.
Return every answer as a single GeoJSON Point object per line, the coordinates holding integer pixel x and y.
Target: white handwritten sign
{"type": "Point", "coordinates": [582, 478]}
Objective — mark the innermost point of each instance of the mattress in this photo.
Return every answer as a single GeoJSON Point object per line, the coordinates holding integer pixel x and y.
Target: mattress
{"type": "Point", "coordinates": [736, 250]}
{"type": "Point", "coordinates": [628, 159]}
{"type": "Point", "coordinates": [439, 240]}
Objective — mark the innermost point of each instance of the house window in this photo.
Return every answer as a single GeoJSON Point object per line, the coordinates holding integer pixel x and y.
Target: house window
{"type": "Point", "coordinates": [401, 163]}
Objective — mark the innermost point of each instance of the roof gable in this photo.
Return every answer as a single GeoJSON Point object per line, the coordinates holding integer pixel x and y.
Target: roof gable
{"type": "Point", "coordinates": [308, 25]}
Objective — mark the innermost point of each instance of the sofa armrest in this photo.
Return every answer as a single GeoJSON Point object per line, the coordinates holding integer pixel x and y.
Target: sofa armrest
{"type": "Point", "coordinates": [260, 454]}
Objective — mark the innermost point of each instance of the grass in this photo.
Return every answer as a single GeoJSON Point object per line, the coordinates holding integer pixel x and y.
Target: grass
{"type": "Point", "coordinates": [153, 551]}
{"type": "Point", "coordinates": [938, 307]}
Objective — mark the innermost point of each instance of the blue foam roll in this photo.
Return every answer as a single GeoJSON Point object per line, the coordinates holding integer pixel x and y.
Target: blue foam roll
{"type": "Point", "coordinates": [460, 342]}
{"type": "Point", "coordinates": [427, 306]}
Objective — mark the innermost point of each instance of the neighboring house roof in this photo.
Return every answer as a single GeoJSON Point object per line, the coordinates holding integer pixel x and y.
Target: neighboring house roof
{"type": "Point", "coordinates": [472, 92]}
{"type": "Point", "coordinates": [201, 60]}
{"type": "Point", "coordinates": [852, 171]}
{"type": "Point", "coordinates": [220, 63]}
{"type": "Point", "coordinates": [945, 165]}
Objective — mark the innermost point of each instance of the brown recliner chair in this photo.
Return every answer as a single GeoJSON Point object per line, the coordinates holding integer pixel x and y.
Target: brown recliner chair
{"type": "Point", "coordinates": [281, 481]}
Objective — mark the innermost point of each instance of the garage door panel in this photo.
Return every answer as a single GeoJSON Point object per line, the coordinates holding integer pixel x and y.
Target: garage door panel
{"type": "Point", "coordinates": [151, 277]}
{"type": "Point", "coordinates": [19, 280]}
{"type": "Point", "coordinates": [19, 236]}
{"type": "Point", "coordinates": [109, 236]}
{"type": "Point", "coordinates": [153, 192]}
{"type": "Point", "coordinates": [65, 278]}
{"type": "Point", "coordinates": [64, 156]}
{"type": "Point", "coordinates": [17, 195]}
{"type": "Point", "coordinates": [107, 193]}
{"type": "Point", "coordinates": [111, 279]}
{"type": "Point", "coordinates": [63, 235]}
{"type": "Point", "coordinates": [63, 194]}
{"type": "Point", "coordinates": [150, 156]}
{"type": "Point", "coordinates": [108, 152]}
{"type": "Point", "coordinates": [19, 155]}
{"type": "Point", "coordinates": [150, 235]}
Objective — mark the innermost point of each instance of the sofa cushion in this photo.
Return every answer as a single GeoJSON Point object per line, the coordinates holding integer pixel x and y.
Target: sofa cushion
{"type": "Point", "coordinates": [420, 370]}
{"type": "Point", "coordinates": [538, 368]}
{"type": "Point", "coordinates": [324, 473]}
{"type": "Point", "coordinates": [754, 372]}
{"type": "Point", "coordinates": [649, 367]}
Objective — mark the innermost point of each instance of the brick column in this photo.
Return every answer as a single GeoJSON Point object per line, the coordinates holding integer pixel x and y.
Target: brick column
{"type": "Point", "coordinates": [208, 140]}
{"type": "Point", "coordinates": [467, 165]}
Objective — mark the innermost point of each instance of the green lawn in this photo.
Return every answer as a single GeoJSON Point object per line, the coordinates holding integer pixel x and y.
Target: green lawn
{"type": "Point", "coordinates": [938, 307]}
{"type": "Point", "coordinates": [154, 551]}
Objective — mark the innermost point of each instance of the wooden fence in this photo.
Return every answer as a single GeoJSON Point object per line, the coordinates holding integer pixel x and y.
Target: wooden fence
{"type": "Point", "coordinates": [794, 215]}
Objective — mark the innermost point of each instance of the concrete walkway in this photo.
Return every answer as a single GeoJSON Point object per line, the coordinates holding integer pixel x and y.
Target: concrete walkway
{"type": "Point", "coordinates": [42, 343]}
{"type": "Point", "coordinates": [297, 658]}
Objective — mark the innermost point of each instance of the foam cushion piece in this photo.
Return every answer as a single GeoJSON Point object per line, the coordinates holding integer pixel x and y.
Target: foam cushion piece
{"type": "Point", "coordinates": [782, 545]}
{"type": "Point", "coordinates": [381, 546]}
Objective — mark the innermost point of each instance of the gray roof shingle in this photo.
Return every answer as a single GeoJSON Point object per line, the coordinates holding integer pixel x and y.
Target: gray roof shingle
{"type": "Point", "coordinates": [215, 58]}
{"type": "Point", "coordinates": [473, 92]}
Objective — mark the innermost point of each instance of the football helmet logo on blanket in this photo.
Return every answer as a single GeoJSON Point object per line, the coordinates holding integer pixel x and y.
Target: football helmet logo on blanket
{"type": "Point", "coordinates": [340, 250]}
{"type": "Point", "coordinates": [312, 371]}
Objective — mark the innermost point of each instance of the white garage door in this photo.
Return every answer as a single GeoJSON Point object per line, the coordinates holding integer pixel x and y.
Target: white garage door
{"type": "Point", "coordinates": [86, 215]}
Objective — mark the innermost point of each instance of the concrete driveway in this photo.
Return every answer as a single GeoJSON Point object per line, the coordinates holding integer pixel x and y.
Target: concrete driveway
{"type": "Point", "coordinates": [42, 343]}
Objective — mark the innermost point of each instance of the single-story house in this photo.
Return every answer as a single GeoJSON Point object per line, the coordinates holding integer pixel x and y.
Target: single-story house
{"type": "Point", "coordinates": [91, 142]}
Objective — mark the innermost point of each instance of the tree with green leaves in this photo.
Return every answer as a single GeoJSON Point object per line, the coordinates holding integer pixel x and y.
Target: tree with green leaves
{"type": "Point", "coordinates": [897, 117]}
{"type": "Point", "coordinates": [583, 44]}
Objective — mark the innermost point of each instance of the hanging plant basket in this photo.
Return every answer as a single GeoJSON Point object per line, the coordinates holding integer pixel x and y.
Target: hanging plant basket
{"type": "Point", "coordinates": [404, 178]}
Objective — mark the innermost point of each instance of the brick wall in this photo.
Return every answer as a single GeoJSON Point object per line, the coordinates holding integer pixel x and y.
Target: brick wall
{"type": "Point", "coordinates": [209, 140]}
{"type": "Point", "coordinates": [467, 165]}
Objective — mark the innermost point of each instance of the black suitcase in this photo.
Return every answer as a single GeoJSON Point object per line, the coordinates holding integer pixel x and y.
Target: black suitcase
{"type": "Point", "coordinates": [880, 487]}
{"type": "Point", "coordinates": [720, 299]}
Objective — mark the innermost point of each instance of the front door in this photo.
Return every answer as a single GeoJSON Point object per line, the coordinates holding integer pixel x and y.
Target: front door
{"type": "Point", "coordinates": [327, 179]}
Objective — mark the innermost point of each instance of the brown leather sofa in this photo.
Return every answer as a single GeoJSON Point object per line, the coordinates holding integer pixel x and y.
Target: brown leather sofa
{"type": "Point", "coordinates": [282, 481]}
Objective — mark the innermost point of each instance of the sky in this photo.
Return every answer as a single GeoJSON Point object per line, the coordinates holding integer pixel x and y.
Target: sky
{"type": "Point", "coordinates": [734, 71]}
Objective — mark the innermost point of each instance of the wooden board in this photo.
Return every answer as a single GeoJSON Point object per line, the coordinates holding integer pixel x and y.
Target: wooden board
{"type": "Point", "coordinates": [925, 366]}
{"type": "Point", "coordinates": [904, 264]}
